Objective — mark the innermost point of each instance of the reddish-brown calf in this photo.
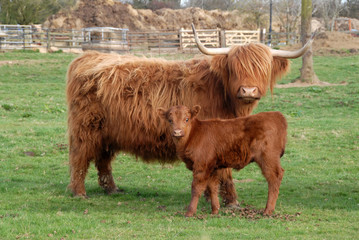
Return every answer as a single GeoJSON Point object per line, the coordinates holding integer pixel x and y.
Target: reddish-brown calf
{"type": "Point", "coordinates": [209, 145]}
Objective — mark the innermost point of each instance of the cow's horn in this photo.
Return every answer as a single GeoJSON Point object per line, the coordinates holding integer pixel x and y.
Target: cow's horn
{"type": "Point", "coordinates": [293, 54]}
{"type": "Point", "coordinates": [208, 51]}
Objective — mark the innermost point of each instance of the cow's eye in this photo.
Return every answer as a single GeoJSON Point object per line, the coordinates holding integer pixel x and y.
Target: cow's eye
{"type": "Point", "coordinates": [186, 119]}
{"type": "Point", "coordinates": [170, 121]}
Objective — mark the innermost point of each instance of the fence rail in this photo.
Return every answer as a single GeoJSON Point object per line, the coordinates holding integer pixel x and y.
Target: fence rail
{"type": "Point", "coordinates": [116, 39]}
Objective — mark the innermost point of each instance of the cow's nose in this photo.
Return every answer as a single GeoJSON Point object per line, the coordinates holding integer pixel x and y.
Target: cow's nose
{"type": "Point", "coordinates": [177, 133]}
{"type": "Point", "coordinates": [248, 92]}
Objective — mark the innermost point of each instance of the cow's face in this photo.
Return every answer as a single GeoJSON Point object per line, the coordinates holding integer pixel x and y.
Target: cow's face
{"type": "Point", "coordinates": [249, 70]}
{"type": "Point", "coordinates": [254, 66]}
{"type": "Point", "coordinates": [179, 119]}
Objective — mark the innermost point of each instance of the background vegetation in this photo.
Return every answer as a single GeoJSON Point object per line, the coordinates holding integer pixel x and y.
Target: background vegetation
{"type": "Point", "coordinates": [319, 196]}
{"type": "Point", "coordinates": [30, 11]}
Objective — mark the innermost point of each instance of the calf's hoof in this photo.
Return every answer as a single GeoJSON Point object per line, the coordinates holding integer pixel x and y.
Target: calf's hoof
{"type": "Point", "coordinates": [83, 196]}
{"type": "Point", "coordinates": [268, 212]}
{"type": "Point", "coordinates": [214, 212]}
{"type": "Point", "coordinates": [189, 214]}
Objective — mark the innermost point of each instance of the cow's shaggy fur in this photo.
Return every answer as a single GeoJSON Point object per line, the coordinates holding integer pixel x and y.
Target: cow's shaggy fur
{"type": "Point", "coordinates": [209, 145]}
{"type": "Point", "coordinates": [112, 102]}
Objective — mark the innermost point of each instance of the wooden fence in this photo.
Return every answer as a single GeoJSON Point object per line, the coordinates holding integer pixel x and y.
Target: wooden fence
{"type": "Point", "coordinates": [109, 39]}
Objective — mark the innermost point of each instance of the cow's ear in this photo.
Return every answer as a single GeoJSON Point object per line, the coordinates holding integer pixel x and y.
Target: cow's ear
{"type": "Point", "coordinates": [195, 110]}
{"type": "Point", "coordinates": [280, 67]}
{"type": "Point", "coordinates": [219, 65]}
{"type": "Point", "coordinates": [162, 113]}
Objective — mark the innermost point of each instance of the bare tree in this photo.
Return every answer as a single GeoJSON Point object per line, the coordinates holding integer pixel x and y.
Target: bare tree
{"type": "Point", "coordinates": [257, 10]}
{"type": "Point", "coordinates": [288, 13]}
{"type": "Point", "coordinates": [307, 73]}
{"type": "Point", "coordinates": [329, 10]}
{"type": "Point", "coordinates": [351, 9]}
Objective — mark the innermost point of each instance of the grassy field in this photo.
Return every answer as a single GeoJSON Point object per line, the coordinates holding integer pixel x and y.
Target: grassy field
{"type": "Point", "coordinates": [319, 195]}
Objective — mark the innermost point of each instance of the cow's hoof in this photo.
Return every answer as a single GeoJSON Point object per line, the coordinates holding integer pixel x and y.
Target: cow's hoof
{"type": "Point", "coordinates": [112, 191]}
{"type": "Point", "coordinates": [233, 205]}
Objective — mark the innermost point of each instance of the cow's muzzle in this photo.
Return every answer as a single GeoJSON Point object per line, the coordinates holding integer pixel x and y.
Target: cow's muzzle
{"type": "Point", "coordinates": [178, 133]}
{"type": "Point", "coordinates": [248, 93]}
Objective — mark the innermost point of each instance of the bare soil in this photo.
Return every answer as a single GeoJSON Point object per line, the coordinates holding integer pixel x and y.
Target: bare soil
{"type": "Point", "coordinates": [332, 43]}
{"type": "Point", "coordinates": [20, 62]}
{"type": "Point", "coordinates": [299, 83]}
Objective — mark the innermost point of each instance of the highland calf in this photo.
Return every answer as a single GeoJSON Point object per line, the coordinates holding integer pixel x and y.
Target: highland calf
{"type": "Point", "coordinates": [209, 145]}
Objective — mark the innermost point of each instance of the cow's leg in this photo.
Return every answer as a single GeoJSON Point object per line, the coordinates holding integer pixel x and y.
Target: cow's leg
{"type": "Point", "coordinates": [86, 130]}
{"type": "Point", "coordinates": [199, 183]}
{"type": "Point", "coordinates": [227, 189]}
{"type": "Point", "coordinates": [80, 157]}
{"type": "Point", "coordinates": [273, 173]}
{"type": "Point", "coordinates": [213, 185]}
{"type": "Point", "coordinates": [105, 178]}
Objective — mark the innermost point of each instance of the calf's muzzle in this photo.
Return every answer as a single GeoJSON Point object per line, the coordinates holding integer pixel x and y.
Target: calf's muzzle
{"type": "Point", "coordinates": [178, 133]}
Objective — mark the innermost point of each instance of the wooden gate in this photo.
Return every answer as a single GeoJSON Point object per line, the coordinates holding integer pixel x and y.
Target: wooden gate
{"type": "Point", "coordinates": [234, 37]}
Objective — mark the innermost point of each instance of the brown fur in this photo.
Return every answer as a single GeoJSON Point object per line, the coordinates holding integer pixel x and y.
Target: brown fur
{"type": "Point", "coordinates": [209, 145]}
{"type": "Point", "coordinates": [112, 101]}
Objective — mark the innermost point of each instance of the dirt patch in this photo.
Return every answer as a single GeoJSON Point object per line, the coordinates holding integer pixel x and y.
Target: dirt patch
{"type": "Point", "coordinates": [251, 213]}
{"type": "Point", "coordinates": [332, 43]}
{"type": "Point", "coordinates": [22, 62]}
{"type": "Point", "coordinates": [305, 84]}
{"type": "Point", "coordinates": [245, 211]}
{"type": "Point", "coordinates": [9, 62]}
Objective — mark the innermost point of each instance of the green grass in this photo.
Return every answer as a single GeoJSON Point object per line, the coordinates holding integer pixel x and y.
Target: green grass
{"type": "Point", "coordinates": [320, 185]}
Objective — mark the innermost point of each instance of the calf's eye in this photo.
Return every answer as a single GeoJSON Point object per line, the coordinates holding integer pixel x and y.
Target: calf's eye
{"type": "Point", "coordinates": [170, 121]}
{"type": "Point", "coordinates": [186, 119]}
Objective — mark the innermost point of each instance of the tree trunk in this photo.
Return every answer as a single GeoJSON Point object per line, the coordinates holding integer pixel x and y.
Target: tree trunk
{"type": "Point", "coordinates": [307, 72]}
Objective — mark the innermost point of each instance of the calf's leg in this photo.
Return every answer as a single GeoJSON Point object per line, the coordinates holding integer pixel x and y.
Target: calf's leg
{"type": "Point", "coordinates": [199, 183]}
{"type": "Point", "coordinates": [273, 173]}
{"type": "Point", "coordinates": [213, 185]}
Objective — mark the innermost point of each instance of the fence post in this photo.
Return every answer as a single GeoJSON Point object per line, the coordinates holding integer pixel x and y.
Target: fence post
{"type": "Point", "coordinates": [23, 38]}
{"type": "Point", "coordinates": [180, 39]}
{"type": "Point", "coordinates": [72, 38]}
{"type": "Point", "coordinates": [262, 35]}
{"type": "Point", "coordinates": [159, 44]}
{"type": "Point", "coordinates": [47, 40]}
{"type": "Point", "coordinates": [222, 38]}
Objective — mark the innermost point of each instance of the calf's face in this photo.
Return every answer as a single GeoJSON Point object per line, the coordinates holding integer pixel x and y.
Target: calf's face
{"type": "Point", "coordinates": [179, 118]}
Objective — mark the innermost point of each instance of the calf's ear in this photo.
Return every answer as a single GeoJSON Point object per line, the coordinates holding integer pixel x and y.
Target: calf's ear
{"type": "Point", "coordinates": [162, 113]}
{"type": "Point", "coordinates": [195, 110]}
